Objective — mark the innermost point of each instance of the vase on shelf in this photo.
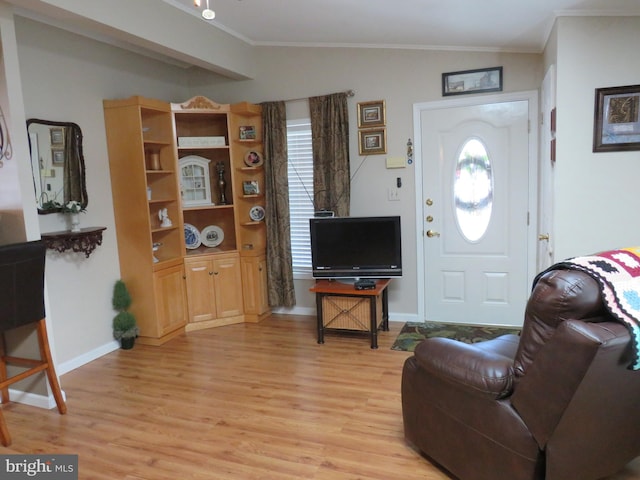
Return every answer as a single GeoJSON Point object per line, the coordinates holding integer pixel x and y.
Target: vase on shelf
{"type": "Point", "coordinates": [222, 183]}
{"type": "Point", "coordinates": [75, 222]}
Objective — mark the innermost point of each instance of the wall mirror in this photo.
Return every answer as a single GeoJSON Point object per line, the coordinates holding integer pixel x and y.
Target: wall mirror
{"type": "Point", "coordinates": [57, 164]}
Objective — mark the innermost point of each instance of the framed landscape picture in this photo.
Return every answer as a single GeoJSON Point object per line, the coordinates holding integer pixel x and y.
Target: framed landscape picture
{"type": "Point", "coordinates": [371, 114]}
{"type": "Point", "coordinates": [372, 141]}
{"type": "Point", "coordinates": [472, 81]}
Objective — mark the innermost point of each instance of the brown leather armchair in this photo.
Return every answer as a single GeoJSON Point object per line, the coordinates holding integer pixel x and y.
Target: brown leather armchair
{"type": "Point", "coordinates": [557, 402]}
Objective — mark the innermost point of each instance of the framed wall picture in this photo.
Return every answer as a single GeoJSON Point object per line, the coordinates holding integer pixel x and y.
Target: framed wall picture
{"type": "Point", "coordinates": [371, 114]}
{"type": "Point", "coordinates": [56, 136]}
{"type": "Point", "coordinates": [57, 156]}
{"type": "Point", "coordinates": [616, 122]}
{"type": "Point", "coordinates": [372, 141]}
{"type": "Point", "coordinates": [472, 81]}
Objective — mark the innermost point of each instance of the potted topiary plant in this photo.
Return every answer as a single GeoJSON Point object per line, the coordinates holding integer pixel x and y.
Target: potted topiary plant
{"type": "Point", "coordinates": [124, 323]}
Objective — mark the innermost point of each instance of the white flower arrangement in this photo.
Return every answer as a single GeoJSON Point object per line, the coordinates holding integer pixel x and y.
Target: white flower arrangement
{"type": "Point", "coordinates": [73, 207]}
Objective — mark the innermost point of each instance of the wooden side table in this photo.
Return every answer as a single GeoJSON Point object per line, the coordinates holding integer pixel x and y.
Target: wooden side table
{"type": "Point", "coordinates": [341, 307]}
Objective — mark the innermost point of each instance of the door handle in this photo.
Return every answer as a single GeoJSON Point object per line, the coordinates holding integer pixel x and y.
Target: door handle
{"type": "Point", "coordinates": [431, 234]}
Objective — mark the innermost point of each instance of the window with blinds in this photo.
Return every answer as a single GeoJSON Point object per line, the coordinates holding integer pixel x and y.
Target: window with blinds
{"type": "Point", "coordinates": [300, 173]}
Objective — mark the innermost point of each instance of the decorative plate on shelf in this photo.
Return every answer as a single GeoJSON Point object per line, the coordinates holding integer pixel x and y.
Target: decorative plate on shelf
{"type": "Point", "coordinates": [253, 159]}
{"type": "Point", "coordinates": [191, 236]}
{"type": "Point", "coordinates": [212, 236]}
{"type": "Point", "coordinates": [256, 213]}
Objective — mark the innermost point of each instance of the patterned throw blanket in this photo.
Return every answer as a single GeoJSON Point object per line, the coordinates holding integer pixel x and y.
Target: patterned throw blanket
{"type": "Point", "coordinates": [618, 273]}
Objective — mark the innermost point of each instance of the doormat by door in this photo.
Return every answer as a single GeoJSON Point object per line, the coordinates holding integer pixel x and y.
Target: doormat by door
{"type": "Point", "coordinates": [413, 333]}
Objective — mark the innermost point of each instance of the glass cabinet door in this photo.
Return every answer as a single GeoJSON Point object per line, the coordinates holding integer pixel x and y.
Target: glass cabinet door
{"type": "Point", "coordinates": [195, 181]}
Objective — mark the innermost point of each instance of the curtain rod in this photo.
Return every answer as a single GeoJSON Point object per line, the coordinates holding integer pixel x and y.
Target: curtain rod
{"type": "Point", "coordinates": [350, 93]}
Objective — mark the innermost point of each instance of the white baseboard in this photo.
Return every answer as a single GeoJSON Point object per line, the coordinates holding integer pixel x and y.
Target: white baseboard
{"type": "Point", "coordinates": [393, 317]}
{"type": "Point", "coordinates": [85, 358]}
{"type": "Point", "coordinates": [34, 400]}
{"type": "Point", "coordinates": [294, 311]}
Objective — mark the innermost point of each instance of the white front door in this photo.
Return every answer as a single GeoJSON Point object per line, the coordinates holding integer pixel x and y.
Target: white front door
{"type": "Point", "coordinates": [476, 216]}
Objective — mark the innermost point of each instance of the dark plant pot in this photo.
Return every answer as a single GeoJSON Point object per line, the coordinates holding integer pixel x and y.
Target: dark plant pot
{"type": "Point", "coordinates": [127, 343]}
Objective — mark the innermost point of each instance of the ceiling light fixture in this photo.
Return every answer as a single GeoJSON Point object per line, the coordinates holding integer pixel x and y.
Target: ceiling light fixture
{"type": "Point", "coordinates": [207, 13]}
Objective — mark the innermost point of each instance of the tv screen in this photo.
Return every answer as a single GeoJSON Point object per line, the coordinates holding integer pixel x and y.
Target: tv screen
{"type": "Point", "coordinates": [355, 247]}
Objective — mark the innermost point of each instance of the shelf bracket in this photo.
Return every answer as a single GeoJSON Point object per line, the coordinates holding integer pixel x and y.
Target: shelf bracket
{"type": "Point", "coordinates": [85, 241]}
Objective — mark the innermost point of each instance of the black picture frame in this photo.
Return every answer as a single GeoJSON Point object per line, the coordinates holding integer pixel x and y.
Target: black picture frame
{"type": "Point", "coordinates": [616, 122]}
{"type": "Point", "coordinates": [465, 82]}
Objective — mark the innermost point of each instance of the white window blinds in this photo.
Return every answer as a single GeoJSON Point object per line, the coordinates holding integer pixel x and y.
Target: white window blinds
{"type": "Point", "coordinates": [300, 173]}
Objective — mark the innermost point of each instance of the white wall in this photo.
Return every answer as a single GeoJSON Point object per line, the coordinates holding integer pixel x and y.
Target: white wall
{"type": "Point", "coordinates": [401, 78]}
{"type": "Point", "coordinates": [65, 78]}
{"type": "Point", "coordinates": [596, 194]}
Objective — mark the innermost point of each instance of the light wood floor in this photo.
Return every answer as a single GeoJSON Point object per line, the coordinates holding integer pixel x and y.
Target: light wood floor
{"type": "Point", "coordinates": [249, 401]}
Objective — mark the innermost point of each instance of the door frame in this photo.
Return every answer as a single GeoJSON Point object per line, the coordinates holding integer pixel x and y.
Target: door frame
{"type": "Point", "coordinates": [532, 97]}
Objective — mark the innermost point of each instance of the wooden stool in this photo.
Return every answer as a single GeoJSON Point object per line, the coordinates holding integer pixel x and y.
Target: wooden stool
{"type": "Point", "coordinates": [22, 303]}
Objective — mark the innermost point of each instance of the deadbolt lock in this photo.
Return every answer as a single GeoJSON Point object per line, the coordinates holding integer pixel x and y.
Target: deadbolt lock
{"type": "Point", "coordinates": [429, 218]}
{"type": "Point", "coordinates": [429, 202]}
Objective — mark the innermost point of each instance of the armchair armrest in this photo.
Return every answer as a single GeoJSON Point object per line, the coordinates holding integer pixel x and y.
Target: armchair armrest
{"type": "Point", "coordinates": [485, 368]}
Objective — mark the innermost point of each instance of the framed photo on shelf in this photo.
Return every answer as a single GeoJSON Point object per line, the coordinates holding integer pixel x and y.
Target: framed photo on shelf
{"type": "Point", "coordinates": [250, 187]}
{"type": "Point", "coordinates": [472, 81]}
{"type": "Point", "coordinates": [56, 136]}
{"type": "Point", "coordinates": [372, 141]}
{"type": "Point", "coordinates": [247, 132]}
{"type": "Point", "coordinates": [57, 156]}
{"type": "Point", "coordinates": [616, 122]}
{"type": "Point", "coordinates": [371, 114]}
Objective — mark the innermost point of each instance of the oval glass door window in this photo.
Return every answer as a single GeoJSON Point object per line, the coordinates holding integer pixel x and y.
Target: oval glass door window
{"type": "Point", "coordinates": [473, 190]}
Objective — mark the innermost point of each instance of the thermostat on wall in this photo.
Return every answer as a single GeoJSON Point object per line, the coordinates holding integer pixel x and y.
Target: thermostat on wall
{"type": "Point", "coordinates": [396, 162]}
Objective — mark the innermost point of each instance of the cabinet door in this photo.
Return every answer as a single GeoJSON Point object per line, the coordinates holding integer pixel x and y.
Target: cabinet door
{"type": "Point", "coordinates": [254, 277]}
{"type": "Point", "coordinates": [200, 290]}
{"type": "Point", "coordinates": [171, 305]}
{"type": "Point", "coordinates": [228, 286]}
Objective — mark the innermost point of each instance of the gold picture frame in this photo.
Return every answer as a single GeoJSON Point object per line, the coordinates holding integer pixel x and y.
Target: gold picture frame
{"type": "Point", "coordinates": [57, 156]}
{"type": "Point", "coordinates": [56, 136]}
{"type": "Point", "coordinates": [372, 141]}
{"type": "Point", "coordinates": [372, 114]}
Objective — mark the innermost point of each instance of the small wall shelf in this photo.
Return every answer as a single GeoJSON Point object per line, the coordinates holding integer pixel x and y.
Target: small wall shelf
{"type": "Point", "coordinates": [85, 241]}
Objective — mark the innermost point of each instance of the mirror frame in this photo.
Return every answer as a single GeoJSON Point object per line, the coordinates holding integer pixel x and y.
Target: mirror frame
{"type": "Point", "coordinates": [83, 182]}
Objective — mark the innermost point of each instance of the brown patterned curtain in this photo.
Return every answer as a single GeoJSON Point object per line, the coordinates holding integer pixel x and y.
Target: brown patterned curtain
{"type": "Point", "coordinates": [330, 139]}
{"type": "Point", "coordinates": [279, 263]}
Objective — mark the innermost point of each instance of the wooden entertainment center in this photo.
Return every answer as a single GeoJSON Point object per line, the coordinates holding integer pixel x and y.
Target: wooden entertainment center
{"type": "Point", "coordinates": [340, 306]}
{"type": "Point", "coordinates": [188, 194]}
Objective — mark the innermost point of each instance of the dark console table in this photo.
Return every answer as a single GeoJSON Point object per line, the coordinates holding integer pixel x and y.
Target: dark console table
{"type": "Point", "coordinates": [341, 307]}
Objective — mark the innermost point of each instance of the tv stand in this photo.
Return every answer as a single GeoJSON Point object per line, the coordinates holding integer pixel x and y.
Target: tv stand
{"type": "Point", "coordinates": [340, 306]}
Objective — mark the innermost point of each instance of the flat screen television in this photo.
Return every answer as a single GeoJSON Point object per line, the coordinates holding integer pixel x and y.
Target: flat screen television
{"type": "Point", "coordinates": [356, 247]}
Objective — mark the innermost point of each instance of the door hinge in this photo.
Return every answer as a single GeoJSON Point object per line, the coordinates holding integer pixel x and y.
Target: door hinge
{"type": "Point", "coordinates": [528, 219]}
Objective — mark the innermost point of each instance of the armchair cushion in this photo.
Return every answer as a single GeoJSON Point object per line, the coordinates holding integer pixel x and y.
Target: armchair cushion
{"type": "Point", "coordinates": [485, 368]}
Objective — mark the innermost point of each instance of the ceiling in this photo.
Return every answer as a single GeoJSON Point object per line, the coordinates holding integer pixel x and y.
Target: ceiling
{"type": "Point", "coordinates": [487, 25]}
